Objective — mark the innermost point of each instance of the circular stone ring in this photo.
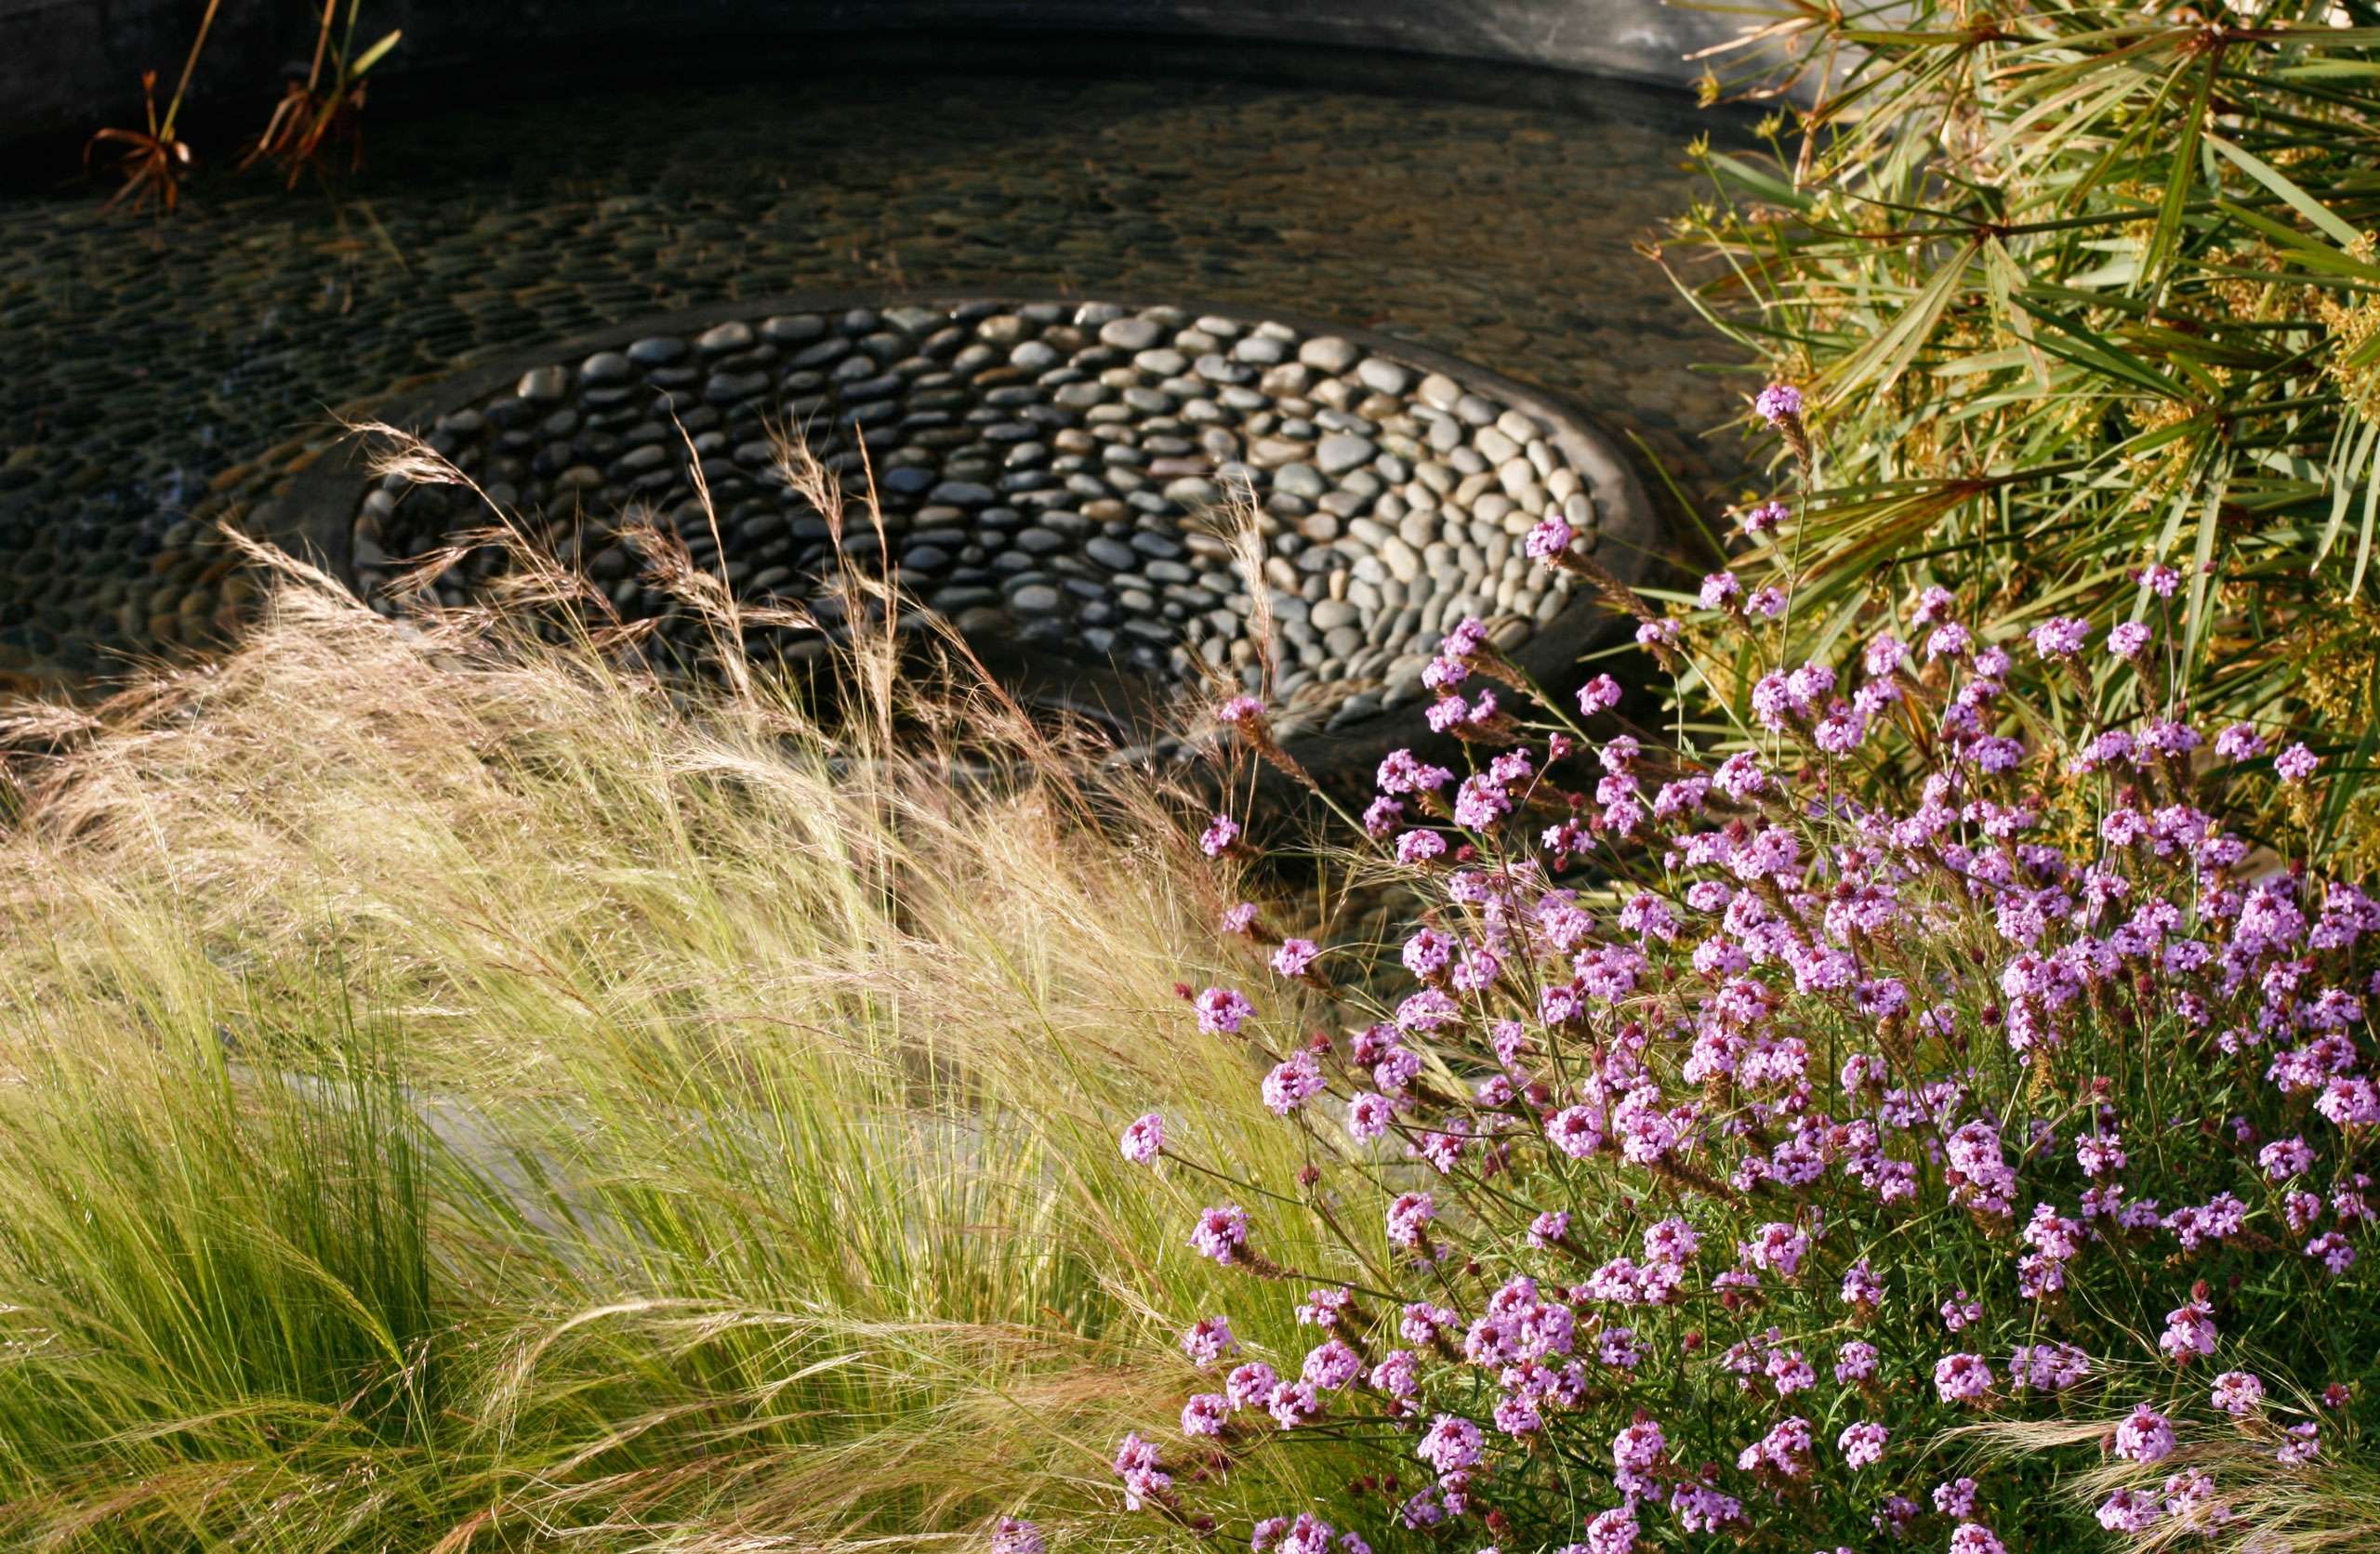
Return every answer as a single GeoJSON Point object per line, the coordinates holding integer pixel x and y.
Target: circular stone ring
{"type": "Point", "coordinates": [1056, 480]}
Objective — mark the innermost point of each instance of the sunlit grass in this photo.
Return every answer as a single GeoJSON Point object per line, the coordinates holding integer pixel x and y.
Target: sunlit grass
{"type": "Point", "coordinates": [463, 1094]}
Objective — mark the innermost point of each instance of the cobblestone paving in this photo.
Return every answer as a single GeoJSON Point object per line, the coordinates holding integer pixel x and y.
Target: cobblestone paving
{"type": "Point", "coordinates": [163, 379]}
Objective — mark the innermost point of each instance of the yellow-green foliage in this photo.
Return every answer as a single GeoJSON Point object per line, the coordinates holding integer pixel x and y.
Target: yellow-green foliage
{"type": "Point", "coordinates": [2072, 290]}
{"type": "Point", "coordinates": [461, 1097]}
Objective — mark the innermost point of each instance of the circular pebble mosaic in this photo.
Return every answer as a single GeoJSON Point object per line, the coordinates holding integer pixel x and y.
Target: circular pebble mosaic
{"type": "Point", "coordinates": [1053, 475]}
{"type": "Point", "coordinates": [173, 379]}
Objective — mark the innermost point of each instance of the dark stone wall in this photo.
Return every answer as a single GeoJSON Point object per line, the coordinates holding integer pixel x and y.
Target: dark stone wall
{"type": "Point", "coordinates": [67, 66]}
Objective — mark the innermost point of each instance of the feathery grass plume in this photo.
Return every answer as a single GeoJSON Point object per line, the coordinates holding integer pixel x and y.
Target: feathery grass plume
{"type": "Point", "coordinates": [466, 1090]}
{"type": "Point", "coordinates": [2237, 1485]}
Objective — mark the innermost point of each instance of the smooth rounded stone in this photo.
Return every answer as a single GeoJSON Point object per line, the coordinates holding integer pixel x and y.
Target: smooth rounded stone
{"type": "Point", "coordinates": [1300, 479]}
{"type": "Point", "coordinates": [605, 366]}
{"type": "Point", "coordinates": [1494, 445]}
{"type": "Point", "coordinates": [1284, 382]}
{"type": "Point", "coordinates": [819, 353]}
{"type": "Point", "coordinates": [792, 329]}
{"type": "Point", "coordinates": [1035, 356]}
{"type": "Point", "coordinates": [1037, 541]}
{"type": "Point", "coordinates": [1383, 376]}
{"type": "Point", "coordinates": [1193, 491]}
{"type": "Point", "coordinates": [1400, 557]}
{"type": "Point", "coordinates": [1512, 633]}
{"type": "Point", "coordinates": [971, 360]}
{"type": "Point", "coordinates": [1259, 350]}
{"type": "Point", "coordinates": [542, 385]}
{"type": "Point", "coordinates": [1130, 334]}
{"type": "Point", "coordinates": [1328, 353]}
{"type": "Point", "coordinates": [1081, 396]}
{"type": "Point", "coordinates": [721, 338]}
{"type": "Point", "coordinates": [1035, 598]}
{"type": "Point", "coordinates": [1333, 613]}
{"type": "Point", "coordinates": [731, 388]}
{"type": "Point", "coordinates": [1343, 450]}
{"type": "Point", "coordinates": [1478, 411]}
{"type": "Point", "coordinates": [1113, 554]}
{"type": "Point", "coordinates": [1221, 369]}
{"type": "Point", "coordinates": [656, 351]}
{"type": "Point", "coordinates": [962, 494]}
{"type": "Point", "coordinates": [1002, 329]}
{"type": "Point", "coordinates": [1163, 363]}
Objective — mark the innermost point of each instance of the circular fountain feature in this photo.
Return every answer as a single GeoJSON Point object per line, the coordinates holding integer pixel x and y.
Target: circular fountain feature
{"type": "Point", "coordinates": [1054, 477]}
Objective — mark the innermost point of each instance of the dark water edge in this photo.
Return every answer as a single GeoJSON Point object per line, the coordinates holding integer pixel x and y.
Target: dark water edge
{"type": "Point", "coordinates": [165, 377]}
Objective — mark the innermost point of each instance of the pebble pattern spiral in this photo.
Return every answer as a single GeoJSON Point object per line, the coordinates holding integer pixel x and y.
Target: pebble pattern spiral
{"type": "Point", "coordinates": [1055, 474]}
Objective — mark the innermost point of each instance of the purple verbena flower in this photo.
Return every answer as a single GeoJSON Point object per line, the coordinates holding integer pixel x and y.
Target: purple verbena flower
{"type": "Point", "coordinates": [1144, 1140]}
{"type": "Point", "coordinates": [1778, 405]}
{"type": "Point", "coordinates": [1220, 1233]}
{"type": "Point", "coordinates": [2144, 1436]}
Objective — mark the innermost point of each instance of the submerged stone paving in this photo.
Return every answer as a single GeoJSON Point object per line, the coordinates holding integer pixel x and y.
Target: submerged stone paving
{"type": "Point", "coordinates": [167, 377]}
{"type": "Point", "coordinates": [1057, 475]}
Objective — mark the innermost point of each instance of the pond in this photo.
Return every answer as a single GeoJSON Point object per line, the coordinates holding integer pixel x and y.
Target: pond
{"type": "Point", "coordinates": [167, 375]}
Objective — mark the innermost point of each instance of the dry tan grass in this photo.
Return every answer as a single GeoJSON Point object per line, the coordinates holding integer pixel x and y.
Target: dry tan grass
{"type": "Point", "coordinates": [469, 1092]}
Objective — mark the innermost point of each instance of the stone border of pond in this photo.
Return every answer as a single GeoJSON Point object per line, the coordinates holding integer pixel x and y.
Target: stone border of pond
{"type": "Point", "coordinates": [333, 511]}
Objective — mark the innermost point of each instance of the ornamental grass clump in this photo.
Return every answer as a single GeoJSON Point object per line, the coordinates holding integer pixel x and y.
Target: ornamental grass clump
{"type": "Point", "coordinates": [2079, 304]}
{"type": "Point", "coordinates": [1725, 1141]}
{"type": "Point", "coordinates": [461, 1091]}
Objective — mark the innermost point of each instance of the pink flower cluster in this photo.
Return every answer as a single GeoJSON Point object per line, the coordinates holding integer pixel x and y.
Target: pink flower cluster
{"type": "Point", "coordinates": [1767, 1130]}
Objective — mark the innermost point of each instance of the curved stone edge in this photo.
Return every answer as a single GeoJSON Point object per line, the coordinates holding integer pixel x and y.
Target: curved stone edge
{"type": "Point", "coordinates": [314, 516]}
